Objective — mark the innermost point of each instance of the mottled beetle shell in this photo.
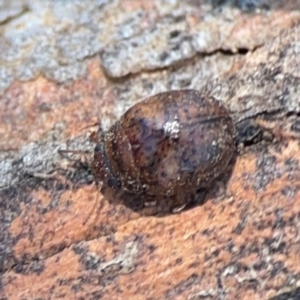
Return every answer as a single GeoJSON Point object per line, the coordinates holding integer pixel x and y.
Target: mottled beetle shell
{"type": "Point", "coordinates": [166, 145]}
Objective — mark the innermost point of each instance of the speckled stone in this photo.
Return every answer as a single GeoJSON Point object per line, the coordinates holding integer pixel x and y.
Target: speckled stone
{"type": "Point", "coordinates": [59, 237]}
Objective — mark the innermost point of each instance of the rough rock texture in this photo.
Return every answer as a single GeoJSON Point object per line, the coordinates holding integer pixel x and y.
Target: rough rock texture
{"type": "Point", "coordinates": [66, 65]}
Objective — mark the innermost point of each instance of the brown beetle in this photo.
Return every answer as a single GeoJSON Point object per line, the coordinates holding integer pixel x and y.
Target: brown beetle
{"type": "Point", "coordinates": [164, 150]}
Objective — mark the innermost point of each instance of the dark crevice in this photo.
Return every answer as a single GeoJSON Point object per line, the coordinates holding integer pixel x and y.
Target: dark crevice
{"type": "Point", "coordinates": [176, 65]}
{"type": "Point", "coordinates": [24, 10]}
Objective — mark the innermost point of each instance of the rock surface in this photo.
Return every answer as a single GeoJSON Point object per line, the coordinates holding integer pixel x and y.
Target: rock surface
{"type": "Point", "coordinates": [65, 66]}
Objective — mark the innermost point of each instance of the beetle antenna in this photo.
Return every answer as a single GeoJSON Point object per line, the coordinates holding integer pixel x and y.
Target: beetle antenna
{"type": "Point", "coordinates": [60, 151]}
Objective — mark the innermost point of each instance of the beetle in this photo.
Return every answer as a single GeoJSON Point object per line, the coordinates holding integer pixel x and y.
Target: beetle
{"type": "Point", "coordinates": [165, 150]}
